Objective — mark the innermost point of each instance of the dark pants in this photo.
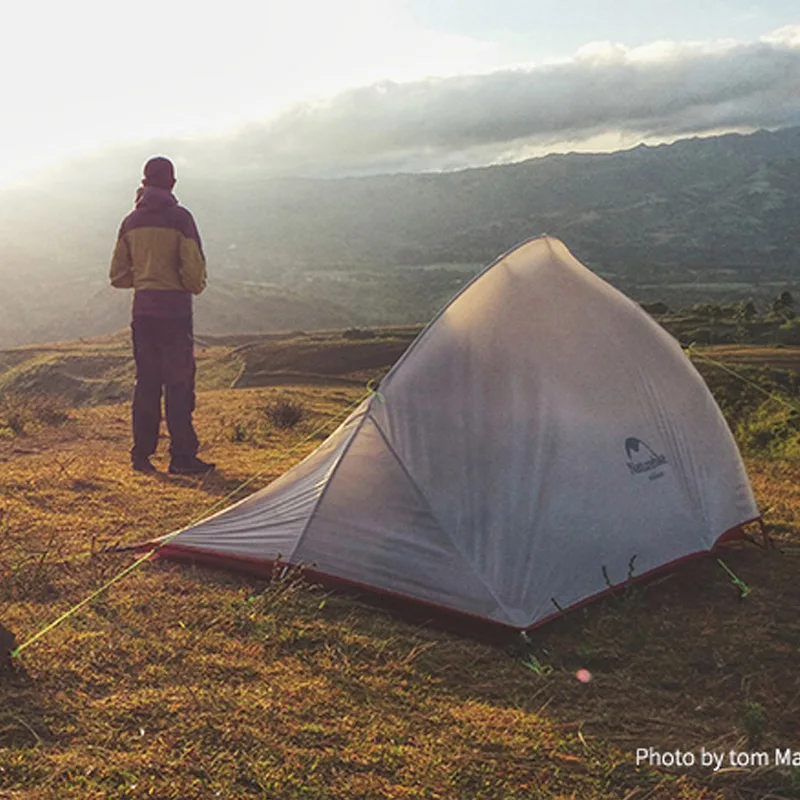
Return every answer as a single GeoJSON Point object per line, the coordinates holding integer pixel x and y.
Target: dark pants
{"type": "Point", "coordinates": [164, 354]}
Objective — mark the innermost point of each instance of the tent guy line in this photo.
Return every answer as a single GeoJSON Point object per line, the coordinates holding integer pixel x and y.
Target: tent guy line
{"type": "Point", "coordinates": [74, 610]}
{"type": "Point", "coordinates": [156, 545]}
{"type": "Point", "coordinates": [691, 350]}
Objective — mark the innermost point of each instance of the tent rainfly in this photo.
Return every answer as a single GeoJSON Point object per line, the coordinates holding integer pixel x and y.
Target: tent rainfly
{"type": "Point", "coordinates": [540, 440]}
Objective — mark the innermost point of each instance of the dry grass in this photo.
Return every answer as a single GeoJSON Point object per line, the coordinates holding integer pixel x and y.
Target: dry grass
{"type": "Point", "coordinates": [185, 683]}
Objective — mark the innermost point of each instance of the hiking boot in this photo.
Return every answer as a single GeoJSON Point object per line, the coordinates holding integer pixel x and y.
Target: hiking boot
{"type": "Point", "coordinates": [189, 466]}
{"type": "Point", "coordinates": [143, 465]}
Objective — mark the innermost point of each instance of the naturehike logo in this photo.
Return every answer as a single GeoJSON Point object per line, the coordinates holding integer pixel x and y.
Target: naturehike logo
{"type": "Point", "coordinates": [642, 457]}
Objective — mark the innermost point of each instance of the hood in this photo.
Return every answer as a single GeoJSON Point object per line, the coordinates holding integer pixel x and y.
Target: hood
{"type": "Point", "coordinates": [152, 198]}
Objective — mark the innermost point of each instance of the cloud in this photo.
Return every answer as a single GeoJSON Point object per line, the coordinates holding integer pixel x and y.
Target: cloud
{"type": "Point", "coordinates": [659, 90]}
{"type": "Point", "coordinates": [605, 97]}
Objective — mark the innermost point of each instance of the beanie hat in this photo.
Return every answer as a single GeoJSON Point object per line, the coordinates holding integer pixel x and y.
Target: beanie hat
{"type": "Point", "coordinates": [160, 172]}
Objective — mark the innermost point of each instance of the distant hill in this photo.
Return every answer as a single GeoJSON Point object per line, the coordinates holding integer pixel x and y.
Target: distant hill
{"type": "Point", "coordinates": [101, 370]}
{"type": "Point", "coordinates": [724, 202]}
{"type": "Point", "coordinates": [674, 221]}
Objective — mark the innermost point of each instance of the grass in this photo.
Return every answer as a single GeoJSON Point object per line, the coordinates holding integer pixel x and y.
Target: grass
{"type": "Point", "coordinates": [181, 682]}
{"type": "Point", "coordinates": [21, 413]}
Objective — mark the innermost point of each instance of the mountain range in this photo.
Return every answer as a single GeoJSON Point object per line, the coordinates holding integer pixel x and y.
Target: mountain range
{"type": "Point", "coordinates": [674, 221]}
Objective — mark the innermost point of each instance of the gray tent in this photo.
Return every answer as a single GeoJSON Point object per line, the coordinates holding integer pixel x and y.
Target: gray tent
{"type": "Point", "coordinates": [539, 438]}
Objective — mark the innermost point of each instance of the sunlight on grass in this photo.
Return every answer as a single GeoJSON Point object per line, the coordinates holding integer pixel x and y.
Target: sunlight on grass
{"type": "Point", "coordinates": [180, 682]}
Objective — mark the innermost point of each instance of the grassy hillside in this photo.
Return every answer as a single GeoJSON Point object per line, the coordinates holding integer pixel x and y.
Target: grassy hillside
{"type": "Point", "coordinates": [181, 682]}
{"type": "Point", "coordinates": [101, 370]}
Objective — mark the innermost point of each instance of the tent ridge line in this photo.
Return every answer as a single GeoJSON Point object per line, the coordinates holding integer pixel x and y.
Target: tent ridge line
{"type": "Point", "coordinates": [442, 528]}
{"type": "Point", "coordinates": [440, 313]}
{"type": "Point", "coordinates": [332, 474]}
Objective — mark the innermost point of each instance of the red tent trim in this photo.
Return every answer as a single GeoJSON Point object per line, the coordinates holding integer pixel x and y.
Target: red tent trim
{"type": "Point", "coordinates": [265, 568]}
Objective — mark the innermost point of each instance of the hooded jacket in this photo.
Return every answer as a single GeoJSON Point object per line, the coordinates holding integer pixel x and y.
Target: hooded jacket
{"type": "Point", "coordinates": [159, 254]}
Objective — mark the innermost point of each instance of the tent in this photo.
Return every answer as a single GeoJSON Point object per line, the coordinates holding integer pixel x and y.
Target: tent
{"type": "Point", "coordinates": [541, 440]}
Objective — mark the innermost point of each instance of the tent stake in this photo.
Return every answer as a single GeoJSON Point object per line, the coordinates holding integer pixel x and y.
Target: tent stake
{"type": "Point", "coordinates": [738, 582]}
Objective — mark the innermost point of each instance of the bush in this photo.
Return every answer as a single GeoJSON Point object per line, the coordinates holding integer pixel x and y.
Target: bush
{"type": "Point", "coordinates": [285, 413]}
{"type": "Point", "coordinates": [789, 332]}
{"type": "Point", "coordinates": [754, 722]}
{"type": "Point", "coordinates": [698, 336]}
{"type": "Point", "coordinates": [238, 432]}
{"type": "Point", "coordinates": [771, 430]}
{"type": "Point", "coordinates": [21, 412]}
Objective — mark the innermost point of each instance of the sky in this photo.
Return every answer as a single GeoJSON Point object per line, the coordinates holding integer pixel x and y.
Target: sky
{"type": "Point", "coordinates": [360, 86]}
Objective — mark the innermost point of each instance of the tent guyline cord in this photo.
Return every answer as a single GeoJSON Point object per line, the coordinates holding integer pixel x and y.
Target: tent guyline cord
{"type": "Point", "coordinates": [692, 351]}
{"type": "Point", "coordinates": [371, 390]}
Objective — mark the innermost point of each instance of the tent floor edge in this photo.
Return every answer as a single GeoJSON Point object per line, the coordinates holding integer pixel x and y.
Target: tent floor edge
{"type": "Point", "coordinates": [737, 533]}
{"type": "Point", "coordinates": [455, 618]}
{"type": "Point", "coordinates": [734, 534]}
{"type": "Point", "coordinates": [421, 611]}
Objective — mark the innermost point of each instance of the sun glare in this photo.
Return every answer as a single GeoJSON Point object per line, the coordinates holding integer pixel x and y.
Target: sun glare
{"type": "Point", "coordinates": [92, 79]}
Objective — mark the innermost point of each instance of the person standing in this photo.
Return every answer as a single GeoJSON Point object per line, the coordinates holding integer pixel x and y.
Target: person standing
{"type": "Point", "coordinates": [159, 255]}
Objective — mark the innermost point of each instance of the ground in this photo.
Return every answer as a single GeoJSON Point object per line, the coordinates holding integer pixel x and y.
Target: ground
{"type": "Point", "coordinates": [181, 682]}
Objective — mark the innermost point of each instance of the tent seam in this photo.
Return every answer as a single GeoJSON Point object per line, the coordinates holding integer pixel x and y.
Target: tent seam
{"type": "Point", "coordinates": [442, 529]}
{"type": "Point", "coordinates": [331, 476]}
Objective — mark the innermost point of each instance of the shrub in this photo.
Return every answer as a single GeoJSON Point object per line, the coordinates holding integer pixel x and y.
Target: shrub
{"type": "Point", "coordinates": [754, 722]}
{"type": "Point", "coordinates": [789, 332]}
{"type": "Point", "coordinates": [285, 413]}
{"type": "Point", "coordinates": [698, 335]}
{"type": "Point", "coordinates": [238, 432]}
{"type": "Point", "coordinates": [771, 430]}
{"type": "Point", "coordinates": [19, 412]}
